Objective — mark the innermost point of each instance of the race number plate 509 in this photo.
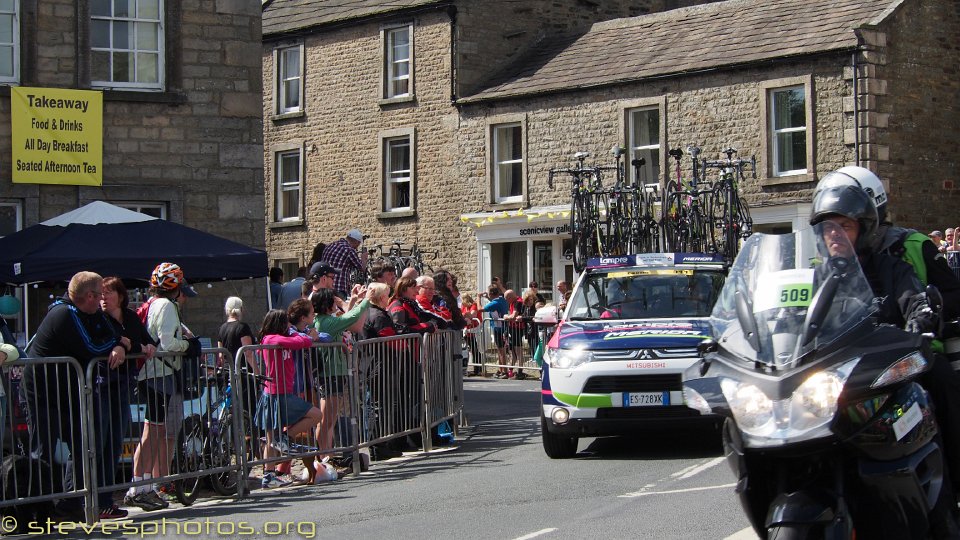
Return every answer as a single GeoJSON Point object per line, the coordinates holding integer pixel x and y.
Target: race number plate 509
{"type": "Point", "coordinates": [646, 399]}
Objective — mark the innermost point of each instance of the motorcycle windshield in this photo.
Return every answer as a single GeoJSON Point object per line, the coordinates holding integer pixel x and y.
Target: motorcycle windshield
{"type": "Point", "coordinates": [788, 294]}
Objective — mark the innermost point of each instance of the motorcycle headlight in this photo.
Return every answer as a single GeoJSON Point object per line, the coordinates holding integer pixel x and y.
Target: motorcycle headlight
{"type": "Point", "coordinates": [807, 413]}
{"type": "Point", "coordinates": [566, 358]}
{"type": "Point", "coordinates": [752, 409]}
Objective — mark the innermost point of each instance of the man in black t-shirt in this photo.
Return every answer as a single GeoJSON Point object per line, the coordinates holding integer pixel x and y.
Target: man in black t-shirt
{"type": "Point", "coordinates": [75, 327]}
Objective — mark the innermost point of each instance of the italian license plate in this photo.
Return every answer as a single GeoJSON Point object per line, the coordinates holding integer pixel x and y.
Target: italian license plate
{"type": "Point", "coordinates": [646, 399]}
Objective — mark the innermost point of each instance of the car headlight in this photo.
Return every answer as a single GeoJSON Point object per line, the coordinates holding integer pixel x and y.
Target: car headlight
{"type": "Point", "coordinates": [566, 358]}
{"type": "Point", "coordinates": [807, 413]}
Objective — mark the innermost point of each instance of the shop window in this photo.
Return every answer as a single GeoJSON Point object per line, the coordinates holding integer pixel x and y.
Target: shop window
{"type": "Point", "coordinates": [127, 44]}
{"type": "Point", "coordinates": [508, 261]}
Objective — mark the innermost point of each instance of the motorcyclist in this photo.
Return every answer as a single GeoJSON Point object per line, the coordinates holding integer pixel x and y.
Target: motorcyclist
{"type": "Point", "coordinates": [914, 247]}
{"type": "Point", "coordinates": [901, 301]}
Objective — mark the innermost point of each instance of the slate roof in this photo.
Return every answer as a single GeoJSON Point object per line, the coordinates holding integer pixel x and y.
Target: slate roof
{"type": "Point", "coordinates": [282, 16]}
{"type": "Point", "coordinates": [690, 39]}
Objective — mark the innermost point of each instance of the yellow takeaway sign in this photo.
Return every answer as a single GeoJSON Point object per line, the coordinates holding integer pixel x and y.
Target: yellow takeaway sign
{"type": "Point", "coordinates": [57, 136]}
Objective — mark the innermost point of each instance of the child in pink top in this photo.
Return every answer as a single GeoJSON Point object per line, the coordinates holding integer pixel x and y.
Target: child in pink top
{"type": "Point", "coordinates": [279, 407]}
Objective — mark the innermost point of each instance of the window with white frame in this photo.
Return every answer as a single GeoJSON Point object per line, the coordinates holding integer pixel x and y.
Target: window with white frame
{"type": "Point", "coordinates": [788, 130]}
{"type": "Point", "coordinates": [287, 196]}
{"type": "Point", "coordinates": [9, 41]}
{"type": "Point", "coordinates": [153, 209]}
{"type": "Point", "coordinates": [507, 163]}
{"type": "Point", "coordinates": [398, 176]}
{"type": "Point", "coordinates": [127, 45]}
{"type": "Point", "coordinates": [398, 56]}
{"type": "Point", "coordinates": [644, 142]}
{"type": "Point", "coordinates": [11, 218]}
{"type": "Point", "coordinates": [289, 62]}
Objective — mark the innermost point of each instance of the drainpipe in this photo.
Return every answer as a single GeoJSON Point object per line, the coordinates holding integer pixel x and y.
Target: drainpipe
{"type": "Point", "coordinates": [452, 12]}
{"type": "Point", "coordinates": [856, 108]}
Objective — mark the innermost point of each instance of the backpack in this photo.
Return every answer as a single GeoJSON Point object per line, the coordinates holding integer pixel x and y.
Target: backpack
{"type": "Point", "coordinates": [144, 310]}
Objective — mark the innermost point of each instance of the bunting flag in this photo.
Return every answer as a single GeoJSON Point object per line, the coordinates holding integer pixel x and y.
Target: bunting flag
{"type": "Point", "coordinates": [499, 216]}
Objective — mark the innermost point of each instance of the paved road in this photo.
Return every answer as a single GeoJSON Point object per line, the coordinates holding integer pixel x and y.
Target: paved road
{"type": "Point", "coordinates": [497, 483]}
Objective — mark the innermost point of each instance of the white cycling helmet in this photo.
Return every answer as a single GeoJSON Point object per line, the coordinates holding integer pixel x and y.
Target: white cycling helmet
{"type": "Point", "coordinates": [864, 179]}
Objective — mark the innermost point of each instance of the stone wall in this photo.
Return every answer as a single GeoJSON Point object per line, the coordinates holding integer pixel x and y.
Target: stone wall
{"type": "Point", "coordinates": [340, 132]}
{"type": "Point", "coordinates": [196, 147]}
{"type": "Point", "coordinates": [713, 111]}
{"type": "Point", "coordinates": [914, 111]}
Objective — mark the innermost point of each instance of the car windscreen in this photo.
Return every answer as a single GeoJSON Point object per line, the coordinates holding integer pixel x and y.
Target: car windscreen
{"type": "Point", "coordinates": [645, 293]}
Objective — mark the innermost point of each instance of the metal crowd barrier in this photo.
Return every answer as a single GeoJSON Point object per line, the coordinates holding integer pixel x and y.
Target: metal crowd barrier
{"type": "Point", "coordinates": [49, 437]}
{"type": "Point", "coordinates": [390, 372]}
{"type": "Point", "coordinates": [323, 378]}
{"type": "Point", "coordinates": [76, 435]}
{"type": "Point", "coordinates": [505, 344]}
{"type": "Point", "coordinates": [442, 379]}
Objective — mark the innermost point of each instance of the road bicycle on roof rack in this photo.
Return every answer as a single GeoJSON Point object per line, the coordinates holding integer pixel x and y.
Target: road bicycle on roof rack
{"type": "Point", "coordinates": [730, 219]}
{"type": "Point", "coordinates": [684, 215]}
{"type": "Point", "coordinates": [589, 227]}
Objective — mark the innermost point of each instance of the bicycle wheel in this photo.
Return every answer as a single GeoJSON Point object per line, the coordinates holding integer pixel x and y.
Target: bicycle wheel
{"type": "Point", "coordinates": [578, 218]}
{"type": "Point", "coordinates": [226, 454]}
{"type": "Point", "coordinates": [189, 458]}
{"type": "Point", "coordinates": [619, 224]}
{"type": "Point", "coordinates": [720, 219]}
{"type": "Point", "coordinates": [697, 237]}
{"type": "Point", "coordinates": [668, 215]}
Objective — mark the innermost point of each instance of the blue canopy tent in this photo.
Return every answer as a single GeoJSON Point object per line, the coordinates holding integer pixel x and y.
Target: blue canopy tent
{"type": "Point", "coordinates": [114, 241]}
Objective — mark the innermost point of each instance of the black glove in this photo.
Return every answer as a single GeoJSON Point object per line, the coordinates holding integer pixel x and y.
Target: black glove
{"type": "Point", "coordinates": [921, 318]}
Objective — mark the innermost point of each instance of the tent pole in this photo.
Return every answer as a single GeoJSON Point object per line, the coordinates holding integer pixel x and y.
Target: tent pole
{"type": "Point", "coordinates": [26, 315]}
{"type": "Point", "coordinates": [269, 296]}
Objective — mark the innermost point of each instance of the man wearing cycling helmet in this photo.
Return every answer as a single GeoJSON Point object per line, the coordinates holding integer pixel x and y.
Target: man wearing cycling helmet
{"type": "Point", "coordinates": [914, 247]}
{"type": "Point", "coordinates": [853, 212]}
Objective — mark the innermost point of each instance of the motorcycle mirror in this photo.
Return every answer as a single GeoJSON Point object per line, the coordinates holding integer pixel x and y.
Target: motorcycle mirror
{"type": "Point", "coordinates": [747, 322]}
{"type": "Point", "coordinates": [706, 346]}
{"type": "Point", "coordinates": [819, 307]}
{"type": "Point", "coordinates": [934, 298]}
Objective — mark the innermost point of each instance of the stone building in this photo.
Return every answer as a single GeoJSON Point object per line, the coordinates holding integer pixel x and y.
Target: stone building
{"type": "Point", "coordinates": [438, 122]}
{"type": "Point", "coordinates": [182, 118]}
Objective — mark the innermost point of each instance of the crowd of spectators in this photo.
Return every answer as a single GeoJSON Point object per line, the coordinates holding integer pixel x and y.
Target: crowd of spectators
{"type": "Point", "coordinates": [304, 393]}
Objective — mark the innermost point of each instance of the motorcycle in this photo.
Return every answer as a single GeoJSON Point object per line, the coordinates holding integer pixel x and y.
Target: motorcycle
{"type": "Point", "coordinates": [827, 429]}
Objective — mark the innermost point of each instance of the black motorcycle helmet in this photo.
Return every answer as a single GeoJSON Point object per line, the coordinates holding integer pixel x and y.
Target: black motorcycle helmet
{"type": "Point", "coordinates": [848, 201]}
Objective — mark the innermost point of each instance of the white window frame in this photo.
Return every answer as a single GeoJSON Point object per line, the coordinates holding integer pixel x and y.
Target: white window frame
{"type": "Point", "coordinates": [18, 212]}
{"type": "Point", "coordinates": [279, 186]}
{"type": "Point", "coordinates": [495, 134]}
{"type": "Point", "coordinates": [389, 177]}
{"type": "Point", "coordinates": [141, 206]}
{"type": "Point", "coordinates": [160, 52]}
{"type": "Point", "coordinates": [283, 75]}
{"type": "Point", "coordinates": [774, 141]}
{"type": "Point", "coordinates": [654, 176]}
{"type": "Point", "coordinates": [391, 62]}
{"type": "Point", "coordinates": [14, 44]}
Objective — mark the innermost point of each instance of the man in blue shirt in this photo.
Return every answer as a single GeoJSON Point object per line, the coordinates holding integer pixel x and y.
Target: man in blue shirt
{"type": "Point", "coordinates": [497, 308]}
